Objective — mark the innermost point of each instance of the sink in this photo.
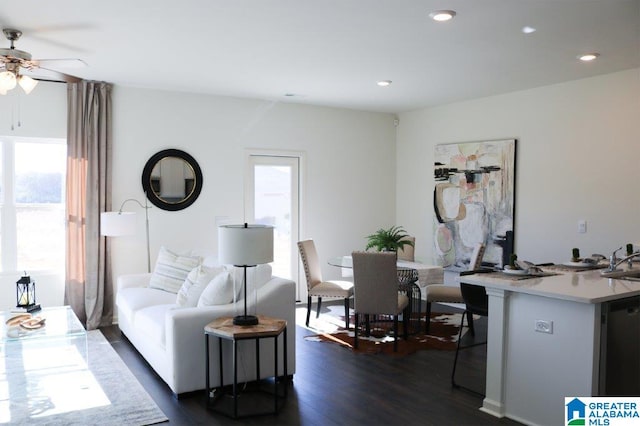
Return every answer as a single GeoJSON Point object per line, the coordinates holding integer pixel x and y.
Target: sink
{"type": "Point", "coordinates": [631, 275]}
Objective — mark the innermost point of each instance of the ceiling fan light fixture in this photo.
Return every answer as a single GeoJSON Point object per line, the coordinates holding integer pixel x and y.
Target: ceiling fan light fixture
{"type": "Point", "coordinates": [27, 83]}
{"type": "Point", "coordinates": [7, 81]}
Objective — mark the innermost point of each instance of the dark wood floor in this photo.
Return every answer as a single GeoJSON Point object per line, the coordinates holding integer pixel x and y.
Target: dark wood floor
{"type": "Point", "coordinates": [333, 386]}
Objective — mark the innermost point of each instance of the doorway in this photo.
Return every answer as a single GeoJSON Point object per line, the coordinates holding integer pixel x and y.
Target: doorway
{"type": "Point", "coordinates": [272, 197]}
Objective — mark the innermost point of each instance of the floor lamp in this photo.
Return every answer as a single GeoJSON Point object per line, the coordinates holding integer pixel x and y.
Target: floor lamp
{"type": "Point", "coordinates": [245, 246]}
{"type": "Point", "coordinates": [118, 224]}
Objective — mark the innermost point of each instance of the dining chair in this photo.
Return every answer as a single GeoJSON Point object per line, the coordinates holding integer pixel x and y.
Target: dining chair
{"type": "Point", "coordinates": [375, 280]}
{"type": "Point", "coordinates": [440, 293]}
{"type": "Point", "coordinates": [319, 288]}
{"type": "Point", "coordinates": [476, 303]}
{"type": "Point", "coordinates": [407, 251]}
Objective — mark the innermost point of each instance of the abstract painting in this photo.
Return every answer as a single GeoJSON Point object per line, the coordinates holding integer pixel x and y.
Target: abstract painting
{"type": "Point", "coordinates": [474, 201]}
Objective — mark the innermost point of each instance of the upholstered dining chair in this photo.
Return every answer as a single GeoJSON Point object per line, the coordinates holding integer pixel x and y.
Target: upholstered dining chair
{"type": "Point", "coordinates": [375, 280]}
{"type": "Point", "coordinates": [476, 303]}
{"type": "Point", "coordinates": [407, 251]}
{"type": "Point", "coordinates": [440, 293]}
{"type": "Point", "coordinates": [317, 287]}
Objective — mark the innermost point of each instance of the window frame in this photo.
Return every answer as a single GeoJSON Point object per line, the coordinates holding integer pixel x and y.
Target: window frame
{"type": "Point", "coordinates": [9, 208]}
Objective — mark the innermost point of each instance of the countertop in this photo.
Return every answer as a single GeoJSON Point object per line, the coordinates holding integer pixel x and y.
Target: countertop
{"type": "Point", "coordinates": [582, 287]}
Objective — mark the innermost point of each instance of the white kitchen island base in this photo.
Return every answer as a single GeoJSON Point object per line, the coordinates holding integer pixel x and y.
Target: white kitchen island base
{"type": "Point", "coordinates": [529, 372]}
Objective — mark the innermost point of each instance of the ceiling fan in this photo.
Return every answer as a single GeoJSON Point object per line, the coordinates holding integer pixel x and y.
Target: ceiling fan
{"type": "Point", "coordinates": [17, 67]}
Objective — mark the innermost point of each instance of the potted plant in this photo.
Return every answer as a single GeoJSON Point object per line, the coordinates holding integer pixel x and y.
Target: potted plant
{"type": "Point", "coordinates": [390, 239]}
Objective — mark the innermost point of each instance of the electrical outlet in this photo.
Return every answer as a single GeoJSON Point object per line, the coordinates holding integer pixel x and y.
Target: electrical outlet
{"type": "Point", "coordinates": [544, 326]}
{"type": "Point", "coordinates": [582, 226]}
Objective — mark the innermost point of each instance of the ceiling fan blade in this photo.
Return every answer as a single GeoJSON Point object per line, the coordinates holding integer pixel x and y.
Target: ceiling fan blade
{"type": "Point", "coordinates": [60, 44]}
{"type": "Point", "coordinates": [40, 33]}
{"type": "Point", "coordinates": [59, 63]}
{"type": "Point", "coordinates": [45, 74]}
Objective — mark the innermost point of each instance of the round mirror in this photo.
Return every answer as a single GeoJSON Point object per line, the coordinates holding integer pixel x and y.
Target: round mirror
{"type": "Point", "coordinates": [172, 180]}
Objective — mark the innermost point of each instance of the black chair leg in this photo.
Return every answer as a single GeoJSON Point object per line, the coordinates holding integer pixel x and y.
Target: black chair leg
{"type": "Point", "coordinates": [455, 359]}
{"type": "Point", "coordinates": [405, 324]}
{"type": "Point", "coordinates": [470, 322]}
{"type": "Point", "coordinates": [357, 325]}
{"type": "Point", "coordinates": [346, 313]}
{"type": "Point", "coordinates": [308, 309]}
{"type": "Point", "coordinates": [395, 333]}
{"type": "Point", "coordinates": [319, 307]}
{"type": "Point", "coordinates": [427, 318]}
{"type": "Point", "coordinates": [368, 325]}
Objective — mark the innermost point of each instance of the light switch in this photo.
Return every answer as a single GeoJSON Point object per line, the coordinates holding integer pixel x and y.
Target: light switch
{"type": "Point", "coordinates": [582, 226]}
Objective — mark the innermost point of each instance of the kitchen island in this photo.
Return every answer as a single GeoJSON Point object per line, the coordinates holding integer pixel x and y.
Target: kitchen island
{"type": "Point", "coordinates": [544, 340]}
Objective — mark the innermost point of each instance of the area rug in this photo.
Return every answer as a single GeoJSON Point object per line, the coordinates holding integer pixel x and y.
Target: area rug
{"type": "Point", "coordinates": [52, 383]}
{"type": "Point", "coordinates": [443, 335]}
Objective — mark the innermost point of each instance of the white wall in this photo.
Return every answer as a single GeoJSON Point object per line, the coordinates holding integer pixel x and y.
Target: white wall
{"type": "Point", "coordinates": [349, 181]}
{"type": "Point", "coordinates": [578, 151]}
{"type": "Point", "coordinates": [578, 158]}
{"type": "Point", "coordinates": [43, 113]}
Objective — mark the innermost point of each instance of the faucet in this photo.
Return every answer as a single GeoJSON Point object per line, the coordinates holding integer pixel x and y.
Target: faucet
{"type": "Point", "coordinates": [614, 262]}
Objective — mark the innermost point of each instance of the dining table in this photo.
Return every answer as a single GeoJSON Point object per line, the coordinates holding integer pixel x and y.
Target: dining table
{"type": "Point", "coordinates": [411, 277]}
{"type": "Point", "coordinates": [427, 274]}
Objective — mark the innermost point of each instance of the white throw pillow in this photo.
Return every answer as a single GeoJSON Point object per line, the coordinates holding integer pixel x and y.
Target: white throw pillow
{"type": "Point", "coordinates": [171, 270]}
{"type": "Point", "coordinates": [194, 285]}
{"type": "Point", "coordinates": [219, 291]}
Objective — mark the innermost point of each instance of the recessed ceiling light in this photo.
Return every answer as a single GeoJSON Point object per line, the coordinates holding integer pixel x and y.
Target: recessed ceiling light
{"type": "Point", "coordinates": [442, 15]}
{"type": "Point", "coordinates": [528, 30]}
{"type": "Point", "coordinates": [588, 57]}
{"type": "Point", "coordinates": [384, 83]}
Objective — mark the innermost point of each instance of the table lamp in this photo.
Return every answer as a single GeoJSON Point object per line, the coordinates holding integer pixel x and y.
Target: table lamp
{"type": "Point", "coordinates": [245, 246]}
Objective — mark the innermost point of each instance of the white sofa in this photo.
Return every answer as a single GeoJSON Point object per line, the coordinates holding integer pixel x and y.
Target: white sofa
{"type": "Point", "coordinates": [171, 338]}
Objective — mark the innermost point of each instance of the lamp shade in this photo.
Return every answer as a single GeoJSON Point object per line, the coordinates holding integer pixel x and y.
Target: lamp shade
{"type": "Point", "coordinates": [245, 245]}
{"type": "Point", "coordinates": [117, 224]}
{"type": "Point", "coordinates": [7, 80]}
{"type": "Point", "coordinates": [27, 83]}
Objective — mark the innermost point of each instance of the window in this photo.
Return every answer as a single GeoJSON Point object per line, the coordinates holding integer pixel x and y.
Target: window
{"type": "Point", "coordinates": [32, 204]}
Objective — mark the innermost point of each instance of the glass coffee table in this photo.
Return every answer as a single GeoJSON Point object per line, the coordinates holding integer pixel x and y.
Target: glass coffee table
{"type": "Point", "coordinates": [61, 328]}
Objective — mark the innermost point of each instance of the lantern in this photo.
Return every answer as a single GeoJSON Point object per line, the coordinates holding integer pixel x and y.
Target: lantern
{"type": "Point", "coordinates": [26, 294]}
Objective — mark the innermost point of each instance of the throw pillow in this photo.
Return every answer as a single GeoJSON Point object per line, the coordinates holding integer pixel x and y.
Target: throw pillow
{"type": "Point", "coordinates": [171, 270]}
{"type": "Point", "coordinates": [194, 285]}
{"type": "Point", "coordinates": [219, 291]}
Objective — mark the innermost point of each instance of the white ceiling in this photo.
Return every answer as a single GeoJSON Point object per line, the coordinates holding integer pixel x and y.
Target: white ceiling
{"type": "Point", "coordinates": [331, 52]}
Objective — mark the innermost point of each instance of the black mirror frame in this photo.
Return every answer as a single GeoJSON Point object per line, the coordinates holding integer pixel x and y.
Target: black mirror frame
{"type": "Point", "coordinates": [146, 180]}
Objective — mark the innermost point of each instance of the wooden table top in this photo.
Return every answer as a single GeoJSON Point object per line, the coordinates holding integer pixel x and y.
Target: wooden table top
{"type": "Point", "coordinates": [266, 327]}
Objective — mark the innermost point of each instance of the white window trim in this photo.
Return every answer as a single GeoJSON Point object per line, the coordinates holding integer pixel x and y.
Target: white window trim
{"type": "Point", "coordinates": [8, 220]}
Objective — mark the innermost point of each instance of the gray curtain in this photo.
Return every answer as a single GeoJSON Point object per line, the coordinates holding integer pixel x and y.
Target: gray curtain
{"type": "Point", "coordinates": [88, 282]}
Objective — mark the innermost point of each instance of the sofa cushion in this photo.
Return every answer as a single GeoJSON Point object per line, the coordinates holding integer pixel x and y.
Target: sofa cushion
{"type": "Point", "coordinates": [219, 291]}
{"type": "Point", "coordinates": [151, 321]}
{"type": "Point", "coordinates": [171, 270]}
{"type": "Point", "coordinates": [194, 285]}
{"type": "Point", "coordinates": [130, 300]}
